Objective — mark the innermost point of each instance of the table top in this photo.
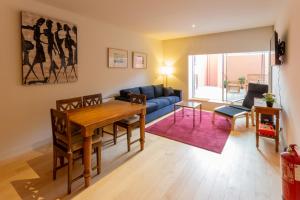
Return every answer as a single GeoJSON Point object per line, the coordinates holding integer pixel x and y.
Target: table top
{"type": "Point", "coordinates": [188, 104]}
{"type": "Point", "coordinates": [105, 113]}
{"type": "Point", "coordinates": [260, 103]}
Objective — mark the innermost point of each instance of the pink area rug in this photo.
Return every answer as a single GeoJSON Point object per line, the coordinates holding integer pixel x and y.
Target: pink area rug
{"type": "Point", "coordinates": [204, 135]}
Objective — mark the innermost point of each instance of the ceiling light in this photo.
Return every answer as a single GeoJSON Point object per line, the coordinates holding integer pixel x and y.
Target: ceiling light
{"type": "Point", "coordinates": [194, 26]}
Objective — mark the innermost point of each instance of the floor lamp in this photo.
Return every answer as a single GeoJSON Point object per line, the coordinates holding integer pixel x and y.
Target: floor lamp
{"type": "Point", "coordinates": [166, 71]}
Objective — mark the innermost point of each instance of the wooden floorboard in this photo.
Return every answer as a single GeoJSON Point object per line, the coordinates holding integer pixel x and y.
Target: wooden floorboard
{"type": "Point", "coordinates": [166, 169]}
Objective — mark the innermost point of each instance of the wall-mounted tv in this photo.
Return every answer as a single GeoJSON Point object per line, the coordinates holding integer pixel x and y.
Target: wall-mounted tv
{"type": "Point", "coordinates": [277, 50]}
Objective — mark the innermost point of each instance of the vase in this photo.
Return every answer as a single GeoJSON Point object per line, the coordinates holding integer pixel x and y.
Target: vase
{"type": "Point", "coordinates": [269, 104]}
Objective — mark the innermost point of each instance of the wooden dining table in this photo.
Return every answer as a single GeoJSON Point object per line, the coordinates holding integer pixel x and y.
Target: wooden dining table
{"type": "Point", "coordinates": [98, 116]}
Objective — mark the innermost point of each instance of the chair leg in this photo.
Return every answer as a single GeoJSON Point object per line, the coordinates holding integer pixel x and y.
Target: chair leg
{"type": "Point", "coordinates": [61, 160]}
{"type": "Point", "coordinates": [54, 164]}
{"type": "Point", "coordinates": [247, 120]}
{"type": "Point", "coordinates": [232, 123]}
{"type": "Point", "coordinates": [276, 144]}
{"type": "Point", "coordinates": [129, 131]}
{"type": "Point", "coordinates": [213, 117]}
{"type": "Point", "coordinates": [99, 159]}
{"type": "Point", "coordinates": [70, 167]}
{"type": "Point", "coordinates": [257, 140]}
{"type": "Point", "coordinates": [115, 133]}
{"type": "Point", "coordinates": [252, 117]}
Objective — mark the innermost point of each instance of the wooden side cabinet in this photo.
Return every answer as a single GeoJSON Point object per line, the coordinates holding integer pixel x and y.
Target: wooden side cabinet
{"type": "Point", "coordinates": [262, 130]}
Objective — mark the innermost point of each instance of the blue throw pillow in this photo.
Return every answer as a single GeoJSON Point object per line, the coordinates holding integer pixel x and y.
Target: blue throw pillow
{"type": "Point", "coordinates": [168, 91]}
{"type": "Point", "coordinates": [158, 90]}
{"type": "Point", "coordinates": [148, 91]}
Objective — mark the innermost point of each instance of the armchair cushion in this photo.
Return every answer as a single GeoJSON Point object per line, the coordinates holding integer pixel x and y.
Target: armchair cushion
{"type": "Point", "coordinates": [241, 108]}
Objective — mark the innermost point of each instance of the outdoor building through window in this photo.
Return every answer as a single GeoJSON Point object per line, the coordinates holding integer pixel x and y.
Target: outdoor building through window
{"type": "Point", "coordinates": [225, 77]}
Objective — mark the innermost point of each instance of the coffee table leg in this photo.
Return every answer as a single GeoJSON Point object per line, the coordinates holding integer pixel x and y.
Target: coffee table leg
{"type": "Point", "coordinates": [200, 112]}
{"type": "Point", "coordinates": [193, 117]}
{"type": "Point", "coordinates": [182, 111]}
{"type": "Point", "coordinates": [174, 113]}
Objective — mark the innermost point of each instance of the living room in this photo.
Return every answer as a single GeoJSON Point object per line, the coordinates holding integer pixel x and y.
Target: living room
{"type": "Point", "coordinates": [167, 33]}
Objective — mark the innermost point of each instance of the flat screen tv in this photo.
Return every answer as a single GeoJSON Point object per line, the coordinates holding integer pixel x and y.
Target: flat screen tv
{"type": "Point", "coordinates": [277, 50]}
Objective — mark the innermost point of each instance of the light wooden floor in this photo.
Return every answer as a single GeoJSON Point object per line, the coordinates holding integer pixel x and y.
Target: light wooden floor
{"type": "Point", "coordinates": [166, 169]}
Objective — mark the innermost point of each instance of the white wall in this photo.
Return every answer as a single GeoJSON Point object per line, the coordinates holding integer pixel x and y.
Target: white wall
{"type": "Point", "coordinates": [24, 110]}
{"type": "Point", "coordinates": [286, 77]}
{"type": "Point", "coordinates": [177, 50]}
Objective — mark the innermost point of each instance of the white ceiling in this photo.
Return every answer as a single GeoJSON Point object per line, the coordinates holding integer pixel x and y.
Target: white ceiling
{"type": "Point", "coordinates": [167, 19]}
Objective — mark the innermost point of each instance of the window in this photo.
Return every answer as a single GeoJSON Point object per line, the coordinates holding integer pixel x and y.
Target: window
{"type": "Point", "coordinates": [225, 77]}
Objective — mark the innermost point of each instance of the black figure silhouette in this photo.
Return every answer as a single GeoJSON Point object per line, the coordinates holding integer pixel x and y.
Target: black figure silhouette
{"type": "Point", "coordinates": [75, 43]}
{"type": "Point", "coordinates": [39, 55]}
{"type": "Point", "coordinates": [51, 47]}
{"type": "Point", "coordinates": [69, 44]}
{"type": "Point", "coordinates": [61, 53]}
{"type": "Point", "coordinates": [27, 46]}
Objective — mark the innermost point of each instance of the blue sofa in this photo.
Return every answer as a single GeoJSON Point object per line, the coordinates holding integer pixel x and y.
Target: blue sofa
{"type": "Point", "coordinates": [159, 99]}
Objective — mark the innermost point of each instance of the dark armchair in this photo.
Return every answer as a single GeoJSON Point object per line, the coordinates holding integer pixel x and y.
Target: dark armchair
{"type": "Point", "coordinates": [236, 111]}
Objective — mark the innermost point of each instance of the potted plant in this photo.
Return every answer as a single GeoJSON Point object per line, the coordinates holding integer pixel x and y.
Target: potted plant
{"type": "Point", "coordinates": [242, 80]}
{"type": "Point", "coordinates": [269, 98]}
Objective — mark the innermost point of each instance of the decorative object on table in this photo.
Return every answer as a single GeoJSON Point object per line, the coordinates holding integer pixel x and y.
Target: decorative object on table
{"type": "Point", "coordinates": [117, 58]}
{"type": "Point", "coordinates": [49, 50]}
{"type": "Point", "coordinates": [139, 60]}
{"type": "Point", "coordinates": [270, 99]}
{"type": "Point", "coordinates": [166, 71]}
{"type": "Point", "coordinates": [205, 135]}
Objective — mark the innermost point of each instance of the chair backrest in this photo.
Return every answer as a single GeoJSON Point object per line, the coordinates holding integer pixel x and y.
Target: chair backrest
{"type": "Point", "coordinates": [69, 104]}
{"type": "Point", "coordinates": [255, 90]}
{"type": "Point", "coordinates": [138, 98]}
{"type": "Point", "coordinates": [91, 100]}
{"type": "Point", "coordinates": [60, 129]}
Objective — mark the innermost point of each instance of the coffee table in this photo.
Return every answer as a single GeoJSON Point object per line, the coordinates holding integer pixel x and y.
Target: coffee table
{"type": "Point", "coordinates": [188, 104]}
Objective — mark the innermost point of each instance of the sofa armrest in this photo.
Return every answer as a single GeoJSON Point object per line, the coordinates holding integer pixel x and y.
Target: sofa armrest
{"type": "Point", "coordinates": [178, 93]}
{"type": "Point", "coordinates": [122, 98]}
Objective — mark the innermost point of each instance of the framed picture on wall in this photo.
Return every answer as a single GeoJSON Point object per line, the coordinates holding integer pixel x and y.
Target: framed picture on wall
{"type": "Point", "coordinates": [139, 60]}
{"type": "Point", "coordinates": [117, 58]}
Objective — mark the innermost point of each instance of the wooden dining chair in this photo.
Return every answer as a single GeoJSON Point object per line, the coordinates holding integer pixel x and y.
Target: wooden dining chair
{"type": "Point", "coordinates": [91, 100]}
{"type": "Point", "coordinates": [66, 145]}
{"type": "Point", "coordinates": [69, 104]}
{"type": "Point", "coordinates": [130, 122]}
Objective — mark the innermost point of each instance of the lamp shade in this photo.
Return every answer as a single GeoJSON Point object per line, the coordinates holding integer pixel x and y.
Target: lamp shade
{"type": "Point", "coordinates": [166, 70]}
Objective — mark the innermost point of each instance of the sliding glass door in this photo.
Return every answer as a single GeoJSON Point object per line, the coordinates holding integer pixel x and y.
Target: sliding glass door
{"type": "Point", "coordinates": [225, 77]}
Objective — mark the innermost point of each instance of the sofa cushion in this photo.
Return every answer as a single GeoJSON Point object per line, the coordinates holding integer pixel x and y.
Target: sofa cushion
{"type": "Point", "coordinates": [168, 91]}
{"type": "Point", "coordinates": [125, 93]}
{"type": "Point", "coordinates": [171, 99]}
{"type": "Point", "coordinates": [160, 102]}
{"type": "Point", "coordinates": [148, 91]}
{"type": "Point", "coordinates": [151, 107]}
{"type": "Point", "coordinates": [158, 90]}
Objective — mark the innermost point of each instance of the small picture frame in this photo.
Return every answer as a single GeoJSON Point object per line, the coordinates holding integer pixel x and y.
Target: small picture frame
{"type": "Point", "coordinates": [117, 58]}
{"type": "Point", "coordinates": [139, 60]}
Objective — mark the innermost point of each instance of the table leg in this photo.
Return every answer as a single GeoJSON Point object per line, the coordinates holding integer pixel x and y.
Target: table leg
{"type": "Point", "coordinates": [182, 111]}
{"type": "Point", "coordinates": [142, 129]}
{"type": "Point", "coordinates": [193, 117]}
{"type": "Point", "coordinates": [174, 113]}
{"type": "Point", "coordinates": [200, 112]}
{"type": "Point", "coordinates": [87, 152]}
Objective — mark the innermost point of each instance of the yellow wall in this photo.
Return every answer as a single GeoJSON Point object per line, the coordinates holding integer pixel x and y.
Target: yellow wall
{"type": "Point", "coordinates": [177, 50]}
{"type": "Point", "coordinates": [25, 110]}
{"type": "Point", "coordinates": [286, 77]}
